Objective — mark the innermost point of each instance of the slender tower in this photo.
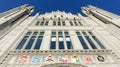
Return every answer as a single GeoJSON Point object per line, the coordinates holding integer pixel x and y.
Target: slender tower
{"type": "Point", "coordinates": [109, 21]}
{"type": "Point", "coordinates": [11, 18]}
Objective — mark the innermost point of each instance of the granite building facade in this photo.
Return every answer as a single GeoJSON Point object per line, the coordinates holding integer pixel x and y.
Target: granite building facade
{"type": "Point", "coordinates": [59, 39]}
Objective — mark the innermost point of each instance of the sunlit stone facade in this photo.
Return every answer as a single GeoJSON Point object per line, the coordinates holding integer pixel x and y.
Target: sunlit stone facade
{"type": "Point", "coordinates": [59, 39]}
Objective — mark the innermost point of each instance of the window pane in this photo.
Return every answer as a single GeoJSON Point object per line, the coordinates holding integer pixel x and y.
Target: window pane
{"type": "Point", "coordinates": [80, 23]}
{"type": "Point", "coordinates": [53, 43]}
{"type": "Point", "coordinates": [98, 42]}
{"type": "Point", "coordinates": [40, 36]}
{"type": "Point", "coordinates": [37, 23]}
{"type": "Point", "coordinates": [69, 44]}
{"type": "Point", "coordinates": [71, 23]}
{"type": "Point", "coordinates": [90, 42]}
{"type": "Point", "coordinates": [53, 38]}
{"type": "Point", "coordinates": [84, 33]}
{"type": "Point", "coordinates": [35, 33]}
{"type": "Point", "coordinates": [42, 23]}
{"type": "Point", "coordinates": [53, 33]}
{"type": "Point", "coordinates": [63, 23]}
{"type": "Point", "coordinates": [66, 33]}
{"type": "Point", "coordinates": [54, 23]}
{"type": "Point", "coordinates": [78, 33]}
{"type": "Point", "coordinates": [29, 45]}
{"type": "Point", "coordinates": [60, 38]}
{"type": "Point", "coordinates": [75, 23]}
{"type": "Point", "coordinates": [41, 33]}
{"type": "Point", "coordinates": [59, 33]}
{"type": "Point", "coordinates": [28, 33]}
{"type": "Point", "coordinates": [59, 23]}
{"type": "Point", "coordinates": [38, 43]}
{"type": "Point", "coordinates": [22, 42]}
{"type": "Point", "coordinates": [83, 42]}
{"type": "Point", "coordinates": [67, 38]}
{"type": "Point", "coordinates": [91, 33]}
{"type": "Point", "coordinates": [46, 23]}
{"type": "Point", "coordinates": [61, 43]}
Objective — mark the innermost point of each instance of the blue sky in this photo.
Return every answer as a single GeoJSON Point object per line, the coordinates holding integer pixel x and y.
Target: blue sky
{"type": "Point", "coordinates": [73, 6]}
